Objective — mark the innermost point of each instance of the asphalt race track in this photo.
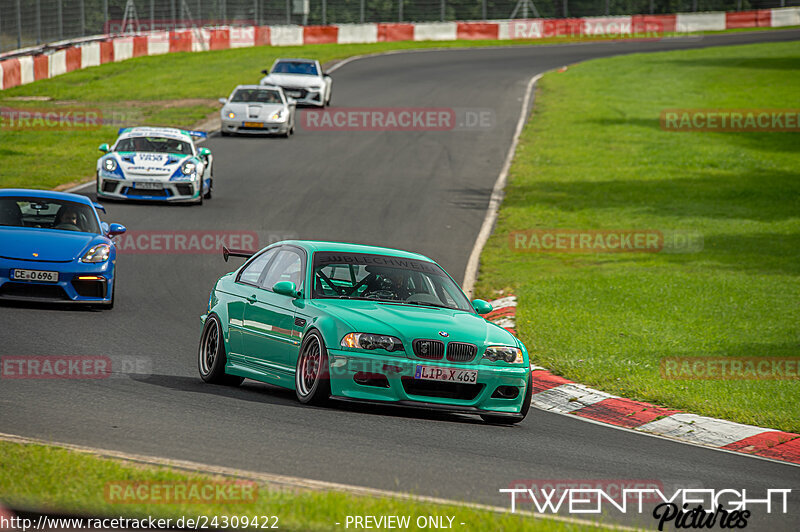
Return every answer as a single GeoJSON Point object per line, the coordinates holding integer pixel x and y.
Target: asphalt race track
{"type": "Point", "coordinates": [422, 191]}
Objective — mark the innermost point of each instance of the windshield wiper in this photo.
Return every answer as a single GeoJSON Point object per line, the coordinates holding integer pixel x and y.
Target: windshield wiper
{"type": "Point", "coordinates": [428, 304]}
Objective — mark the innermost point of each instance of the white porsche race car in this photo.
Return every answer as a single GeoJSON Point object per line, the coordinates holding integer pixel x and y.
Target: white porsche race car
{"type": "Point", "coordinates": [301, 79]}
{"type": "Point", "coordinates": [155, 163]}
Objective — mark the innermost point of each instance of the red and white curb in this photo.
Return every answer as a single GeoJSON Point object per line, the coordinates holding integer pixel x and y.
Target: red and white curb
{"type": "Point", "coordinates": [5, 518]}
{"type": "Point", "coordinates": [560, 395]}
{"type": "Point", "coordinates": [18, 68]}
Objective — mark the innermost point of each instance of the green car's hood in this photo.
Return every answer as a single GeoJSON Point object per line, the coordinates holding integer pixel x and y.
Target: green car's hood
{"type": "Point", "coordinates": [408, 322]}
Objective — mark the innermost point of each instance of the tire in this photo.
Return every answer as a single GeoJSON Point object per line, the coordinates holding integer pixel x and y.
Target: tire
{"type": "Point", "coordinates": [526, 406]}
{"type": "Point", "coordinates": [314, 386]}
{"type": "Point", "coordinates": [211, 358]}
{"type": "Point", "coordinates": [210, 186]}
{"type": "Point", "coordinates": [224, 133]}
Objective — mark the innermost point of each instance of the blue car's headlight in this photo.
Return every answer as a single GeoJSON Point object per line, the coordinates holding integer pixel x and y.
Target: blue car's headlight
{"type": "Point", "coordinates": [372, 341]}
{"type": "Point", "coordinates": [109, 165]}
{"type": "Point", "coordinates": [512, 355]}
{"type": "Point", "coordinates": [98, 253]}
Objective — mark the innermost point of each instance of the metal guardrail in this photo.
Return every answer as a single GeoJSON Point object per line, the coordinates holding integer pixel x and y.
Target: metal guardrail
{"type": "Point", "coordinates": [31, 23]}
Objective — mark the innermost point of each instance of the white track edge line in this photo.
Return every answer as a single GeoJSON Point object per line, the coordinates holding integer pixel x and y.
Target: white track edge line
{"type": "Point", "coordinates": [471, 273]}
{"type": "Point", "coordinates": [296, 482]}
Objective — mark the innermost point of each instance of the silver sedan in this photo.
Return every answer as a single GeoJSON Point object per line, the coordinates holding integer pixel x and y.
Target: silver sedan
{"type": "Point", "coordinates": [258, 109]}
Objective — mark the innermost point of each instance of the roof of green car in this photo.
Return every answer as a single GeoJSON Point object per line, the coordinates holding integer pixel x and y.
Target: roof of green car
{"type": "Point", "coordinates": [341, 247]}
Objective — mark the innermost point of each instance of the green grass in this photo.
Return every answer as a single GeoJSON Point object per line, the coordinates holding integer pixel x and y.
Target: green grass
{"type": "Point", "coordinates": [595, 157]}
{"type": "Point", "coordinates": [157, 87]}
{"type": "Point", "coordinates": [37, 476]}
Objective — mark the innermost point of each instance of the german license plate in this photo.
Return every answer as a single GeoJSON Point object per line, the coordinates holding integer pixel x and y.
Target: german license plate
{"type": "Point", "coordinates": [253, 124]}
{"type": "Point", "coordinates": [432, 373]}
{"type": "Point", "coordinates": [36, 275]}
{"type": "Point", "coordinates": [148, 186]}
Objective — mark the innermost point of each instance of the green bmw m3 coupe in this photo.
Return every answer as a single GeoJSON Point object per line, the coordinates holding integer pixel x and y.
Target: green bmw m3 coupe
{"type": "Point", "coordinates": [361, 323]}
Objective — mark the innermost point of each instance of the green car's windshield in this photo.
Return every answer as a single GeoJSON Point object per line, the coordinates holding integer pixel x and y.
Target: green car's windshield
{"type": "Point", "coordinates": [385, 278]}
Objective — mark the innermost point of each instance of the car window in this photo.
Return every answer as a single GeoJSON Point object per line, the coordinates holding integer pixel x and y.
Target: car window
{"type": "Point", "coordinates": [385, 278]}
{"type": "Point", "coordinates": [287, 266]}
{"type": "Point", "coordinates": [295, 67]}
{"type": "Point", "coordinates": [154, 145]}
{"type": "Point", "coordinates": [256, 96]}
{"type": "Point", "coordinates": [252, 272]}
{"type": "Point", "coordinates": [45, 213]}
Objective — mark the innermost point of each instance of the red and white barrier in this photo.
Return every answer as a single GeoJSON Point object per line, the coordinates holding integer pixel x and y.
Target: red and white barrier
{"type": "Point", "coordinates": [29, 68]}
{"type": "Point", "coordinates": [787, 16]}
{"type": "Point", "coordinates": [557, 394]}
{"type": "Point", "coordinates": [692, 22]}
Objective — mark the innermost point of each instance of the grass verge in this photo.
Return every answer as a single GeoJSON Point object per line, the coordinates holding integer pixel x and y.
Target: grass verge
{"type": "Point", "coordinates": [174, 89]}
{"type": "Point", "coordinates": [45, 477]}
{"type": "Point", "coordinates": [594, 156]}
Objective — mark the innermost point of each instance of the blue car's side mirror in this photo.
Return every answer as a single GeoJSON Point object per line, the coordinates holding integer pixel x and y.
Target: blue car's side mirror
{"type": "Point", "coordinates": [116, 229]}
{"type": "Point", "coordinates": [104, 148]}
{"type": "Point", "coordinates": [286, 288]}
{"type": "Point", "coordinates": [481, 306]}
{"type": "Point", "coordinates": [205, 152]}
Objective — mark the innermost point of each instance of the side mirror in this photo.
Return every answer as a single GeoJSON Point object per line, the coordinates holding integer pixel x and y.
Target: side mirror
{"type": "Point", "coordinates": [116, 229]}
{"type": "Point", "coordinates": [104, 148]}
{"type": "Point", "coordinates": [223, 101]}
{"type": "Point", "coordinates": [205, 152]}
{"type": "Point", "coordinates": [291, 101]}
{"type": "Point", "coordinates": [286, 288]}
{"type": "Point", "coordinates": [265, 72]}
{"type": "Point", "coordinates": [481, 306]}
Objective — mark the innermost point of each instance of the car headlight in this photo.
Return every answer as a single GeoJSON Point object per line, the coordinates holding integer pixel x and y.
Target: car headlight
{"type": "Point", "coordinates": [98, 253]}
{"type": "Point", "coordinates": [372, 341]}
{"type": "Point", "coordinates": [512, 355]}
{"type": "Point", "coordinates": [277, 115]}
{"type": "Point", "coordinates": [188, 168]}
{"type": "Point", "coordinates": [109, 165]}
{"type": "Point", "coordinates": [230, 114]}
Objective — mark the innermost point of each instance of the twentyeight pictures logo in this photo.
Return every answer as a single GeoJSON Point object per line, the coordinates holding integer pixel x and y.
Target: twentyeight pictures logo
{"type": "Point", "coordinates": [682, 508]}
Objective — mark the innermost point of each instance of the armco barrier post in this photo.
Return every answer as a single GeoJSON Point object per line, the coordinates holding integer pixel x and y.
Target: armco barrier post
{"type": "Point", "coordinates": [19, 26]}
{"type": "Point", "coordinates": [60, 20]}
{"type": "Point", "coordinates": [38, 21]}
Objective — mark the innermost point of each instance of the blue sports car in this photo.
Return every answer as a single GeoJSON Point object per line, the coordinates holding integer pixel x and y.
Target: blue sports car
{"type": "Point", "coordinates": [53, 247]}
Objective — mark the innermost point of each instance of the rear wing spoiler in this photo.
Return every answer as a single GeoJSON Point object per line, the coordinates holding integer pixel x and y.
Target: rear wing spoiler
{"type": "Point", "coordinates": [195, 134]}
{"type": "Point", "coordinates": [245, 253]}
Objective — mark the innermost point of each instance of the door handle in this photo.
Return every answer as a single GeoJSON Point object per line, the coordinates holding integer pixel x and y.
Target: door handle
{"type": "Point", "coordinates": [251, 298]}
